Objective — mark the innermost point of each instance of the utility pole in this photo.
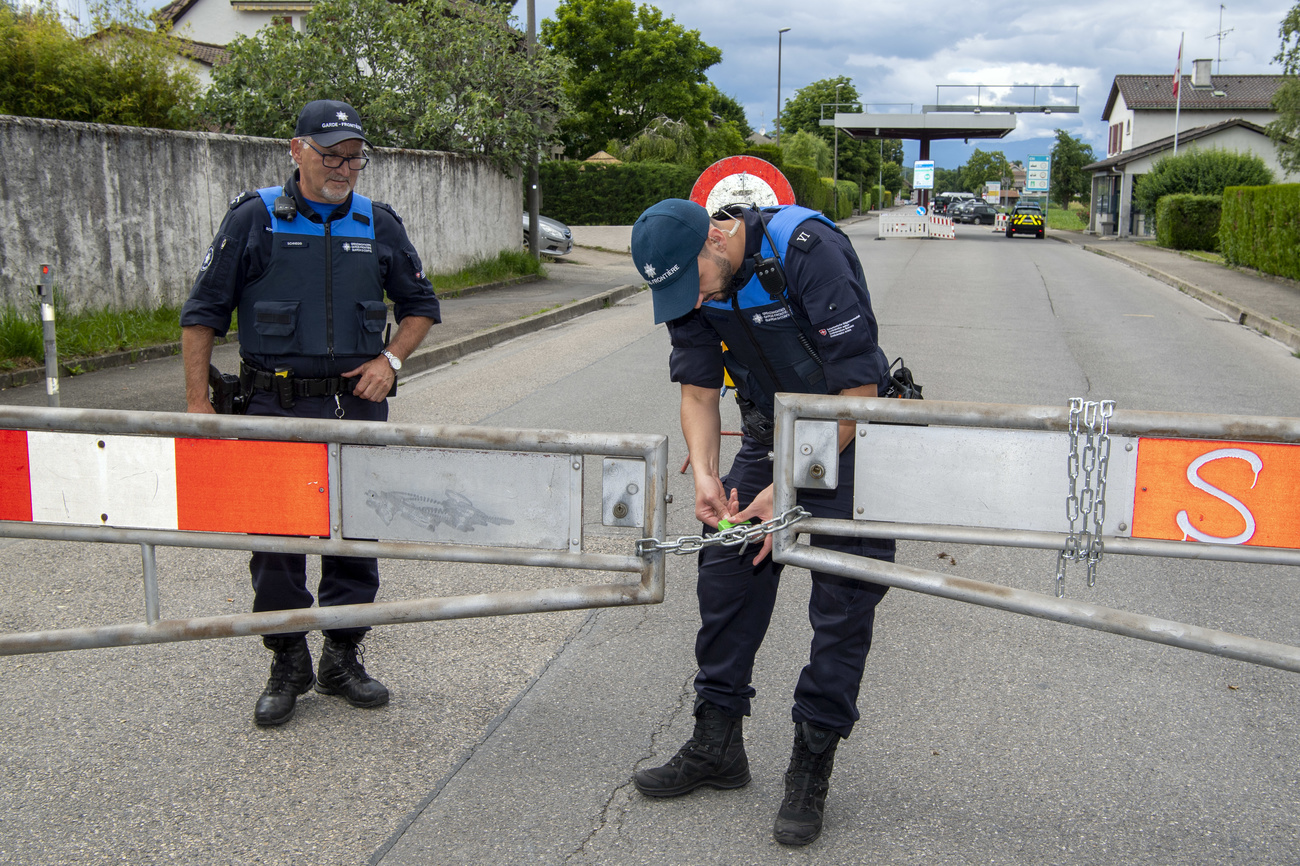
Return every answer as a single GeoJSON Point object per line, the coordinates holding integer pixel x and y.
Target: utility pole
{"type": "Point", "coordinates": [778, 81]}
{"type": "Point", "coordinates": [534, 198]}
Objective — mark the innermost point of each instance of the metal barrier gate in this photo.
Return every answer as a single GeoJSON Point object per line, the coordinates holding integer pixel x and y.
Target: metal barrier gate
{"type": "Point", "coordinates": [294, 485]}
{"type": "Point", "coordinates": [922, 461]}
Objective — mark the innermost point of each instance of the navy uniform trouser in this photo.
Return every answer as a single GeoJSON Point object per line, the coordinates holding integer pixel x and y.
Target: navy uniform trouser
{"type": "Point", "coordinates": [280, 579]}
{"type": "Point", "coordinates": [736, 601]}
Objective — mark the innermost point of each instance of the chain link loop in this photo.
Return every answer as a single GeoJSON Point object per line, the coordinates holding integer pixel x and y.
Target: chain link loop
{"type": "Point", "coordinates": [737, 536]}
{"type": "Point", "coordinates": [1085, 503]}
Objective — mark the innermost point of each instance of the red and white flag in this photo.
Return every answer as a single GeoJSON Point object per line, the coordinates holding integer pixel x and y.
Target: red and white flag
{"type": "Point", "coordinates": [1178, 72]}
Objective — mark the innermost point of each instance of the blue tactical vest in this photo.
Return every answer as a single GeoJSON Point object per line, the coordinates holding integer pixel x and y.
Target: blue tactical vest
{"type": "Point", "coordinates": [753, 319]}
{"type": "Point", "coordinates": [322, 294]}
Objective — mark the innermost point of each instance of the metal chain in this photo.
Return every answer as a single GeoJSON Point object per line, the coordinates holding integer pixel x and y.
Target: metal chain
{"type": "Point", "coordinates": [737, 536]}
{"type": "Point", "coordinates": [1071, 551]}
{"type": "Point", "coordinates": [1086, 502]}
{"type": "Point", "coordinates": [1099, 509]}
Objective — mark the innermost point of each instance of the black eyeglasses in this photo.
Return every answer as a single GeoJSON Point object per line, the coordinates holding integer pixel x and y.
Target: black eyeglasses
{"type": "Point", "coordinates": [330, 160]}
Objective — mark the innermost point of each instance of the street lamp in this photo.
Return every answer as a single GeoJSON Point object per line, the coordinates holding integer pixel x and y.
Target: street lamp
{"type": "Point", "coordinates": [835, 179]}
{"type": "Point", "coordinates": [778, 82]}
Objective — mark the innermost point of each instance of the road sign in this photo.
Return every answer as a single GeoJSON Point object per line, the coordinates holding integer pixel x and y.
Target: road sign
{"type": "Point", "coordinates": [1038, 173]}
{"type": "Point", "coordinates": [741, 180]}
{"type": "Point", "coordinates": [923, 174]}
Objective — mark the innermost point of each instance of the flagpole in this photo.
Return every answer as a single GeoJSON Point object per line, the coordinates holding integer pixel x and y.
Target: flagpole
{"type": "Point", "coordinates": [1178, 91]}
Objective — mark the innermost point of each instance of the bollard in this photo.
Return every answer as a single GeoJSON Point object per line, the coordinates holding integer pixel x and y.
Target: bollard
{"type": "Point", "coordinates": [45, 289]}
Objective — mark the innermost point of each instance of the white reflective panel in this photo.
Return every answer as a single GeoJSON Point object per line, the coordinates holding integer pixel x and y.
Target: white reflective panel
{"type": "Point", "coordinates": [494, 498]}
{"type": "Point", "coordinates": [1000, 479]}
{"type": "Point", "coordinates": [84, 479]}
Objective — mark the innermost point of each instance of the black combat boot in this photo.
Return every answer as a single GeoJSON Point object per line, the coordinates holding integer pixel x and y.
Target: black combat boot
{"type": "Point", "coordinates": [715, 756]}
{"type": "Point", "coordinates": [799, 820]}
{"type": "Point", "coordinates": [290, 676]}
{"type": "Point", "coordinates": [342, 673]}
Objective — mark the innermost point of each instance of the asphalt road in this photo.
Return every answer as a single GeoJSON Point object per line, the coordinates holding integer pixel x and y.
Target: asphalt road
{"type": "Point", "coordinates": [985, 737]}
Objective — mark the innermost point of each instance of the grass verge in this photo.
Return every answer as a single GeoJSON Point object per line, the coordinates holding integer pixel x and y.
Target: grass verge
{"type": "Point", "coordinates": [508, 265]}
{"type": "Point", "coordinates": [1065, 220]}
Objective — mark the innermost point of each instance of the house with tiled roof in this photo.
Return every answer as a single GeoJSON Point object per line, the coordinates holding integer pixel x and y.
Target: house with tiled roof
{"type": "Point", "coordinates": [1229, 112]}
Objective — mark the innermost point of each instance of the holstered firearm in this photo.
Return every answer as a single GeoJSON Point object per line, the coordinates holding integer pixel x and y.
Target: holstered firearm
{"type": "Point", "coordinates": [228, 398]}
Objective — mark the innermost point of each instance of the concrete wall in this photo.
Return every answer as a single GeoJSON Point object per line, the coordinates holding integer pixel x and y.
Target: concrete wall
{"type": "Point", "coordinates": [124, 214]}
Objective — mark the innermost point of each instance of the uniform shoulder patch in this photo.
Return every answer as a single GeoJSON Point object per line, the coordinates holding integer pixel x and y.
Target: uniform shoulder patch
{"type": "Point", "coordinates": [804, 239]}
{"type": "Point", "coordinates": [383, 205]}
{"type": "Point", "coordinates": [241, 198]}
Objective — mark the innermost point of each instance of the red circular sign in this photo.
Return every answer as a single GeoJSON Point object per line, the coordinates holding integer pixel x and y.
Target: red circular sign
{"type": "Point", "coordinates": [741, 179]}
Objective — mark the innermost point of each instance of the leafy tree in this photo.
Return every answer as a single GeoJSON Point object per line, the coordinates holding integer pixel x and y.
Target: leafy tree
{"type": "Point", "coordinates": [946, 180]}
{"type": "Point", "coordinates": [629, 65]}
{"type": "Point", "coordinates": [664, 140]}
{"type": "Point", "coordinates": [728, 108]}
{"type": "Point", "coordinates": [1069, 181]}
{"type": "Point", "coordinates": [804, 148]}
{"type": "Point", "coordinates": [719, 141]}
{"type": "Point", "coordinates": [1285, 131]}
{"type": "Point", "coordinates": [982, 167]}
{"type": "Point", "coordinates": [1199, 172]}
{"type": "Point", "coordinates": [129, 72]}
{"type": "Point", "coordinates": [423, 74]}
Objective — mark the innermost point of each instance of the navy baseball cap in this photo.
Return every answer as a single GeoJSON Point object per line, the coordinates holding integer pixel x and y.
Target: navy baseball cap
{"type": "Point", "coordinates": [666, 243]}
{"type": "Point", "coordinates": [327, 122]}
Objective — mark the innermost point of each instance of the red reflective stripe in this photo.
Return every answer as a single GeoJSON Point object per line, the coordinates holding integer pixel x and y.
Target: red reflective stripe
{"type": "Point", "coordinates": [265, 488]}
{"type": "Point", "coordinates": [15, 480]}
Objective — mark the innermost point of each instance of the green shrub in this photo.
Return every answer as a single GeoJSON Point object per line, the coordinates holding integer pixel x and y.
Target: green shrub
{"type": "Point", "coordinates": [1260, 228]}
{"type": "Point", "coordinates": [809, 190]}
{"type": "Point", "coordinates": [769, 152]}
{"type": "Point", "coordinates": [848, 197]}
{"type": "Point", "coordinates": [1188, 222]}
{"type": "Point", "coordinates": [1198, 172]}
{"type": "Point", "coordinates": [878, 194]}
{"type": "Point", "coordinates": [583, 194]}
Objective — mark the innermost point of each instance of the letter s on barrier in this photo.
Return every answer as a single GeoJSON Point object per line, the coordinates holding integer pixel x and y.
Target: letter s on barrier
{"type": "Point", "coordinates": [1200, 484]}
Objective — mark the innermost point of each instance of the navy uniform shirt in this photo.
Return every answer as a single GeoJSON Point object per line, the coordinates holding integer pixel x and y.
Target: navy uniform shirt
{"type": "Point", "coordinates": [241, 252]}
{"type": "Point", "coordinates": [825, 281]}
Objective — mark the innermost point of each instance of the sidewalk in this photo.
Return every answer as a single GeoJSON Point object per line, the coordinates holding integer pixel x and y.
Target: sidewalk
{"type": "Point", "coordinates": [1270, 305]}
{"type": "Point", "coordinates": [152, 379]}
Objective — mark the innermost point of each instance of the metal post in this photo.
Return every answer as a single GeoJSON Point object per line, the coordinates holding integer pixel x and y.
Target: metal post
{"type": "Point", "coordinates": [778, 82]}
{"type": "Point", "coordinates": [152, 609]}
{"type": "Point", "coordinates": [534, 196]}
{"type": "Point", "coordinates": [835, 179]}
{"type": "Point", "coordinates": [45, 290]}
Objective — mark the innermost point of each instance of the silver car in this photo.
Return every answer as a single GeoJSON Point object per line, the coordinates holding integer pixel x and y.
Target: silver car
{"type": "Point", "coordinates": [555, 239]}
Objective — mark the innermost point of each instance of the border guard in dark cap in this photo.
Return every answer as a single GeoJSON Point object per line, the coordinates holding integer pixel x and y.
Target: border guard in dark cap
{"type": "Point", "coordinates": [784, 290]}
{"type": "Point", "coordinates": [308, 265]}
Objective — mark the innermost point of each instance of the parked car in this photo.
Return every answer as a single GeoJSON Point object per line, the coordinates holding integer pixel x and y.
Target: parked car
{"type": "Point", "coordinates": [979, 212]}
{"type": "Point", "coordinates": [1026, 219]}
{"type": "Point", "coordinates": [958, 211]}
{"type": "Point", "coordinates": [555, 239]}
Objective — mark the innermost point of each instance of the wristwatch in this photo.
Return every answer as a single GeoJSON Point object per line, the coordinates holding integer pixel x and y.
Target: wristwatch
{"type": "Point", "coordinates": [393, 361]}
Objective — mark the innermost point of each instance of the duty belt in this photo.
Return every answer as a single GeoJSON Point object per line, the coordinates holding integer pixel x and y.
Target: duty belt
{"type": "Point", "coordinates": [261, 380]}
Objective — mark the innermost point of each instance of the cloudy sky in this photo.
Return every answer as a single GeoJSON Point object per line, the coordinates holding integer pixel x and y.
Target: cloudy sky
{"type": "Point", "coordinates": [899, 52]}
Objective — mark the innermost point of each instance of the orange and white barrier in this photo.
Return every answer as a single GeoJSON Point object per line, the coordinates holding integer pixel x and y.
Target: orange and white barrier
{"type": "Point", "coordinates": [138, 482]}
{"type": "Point", "coordinates": [902, 225]}
{"type": "Point", "coordinates": [942, 227]}
{"type": "Point", "coordinates": [1000, 223]}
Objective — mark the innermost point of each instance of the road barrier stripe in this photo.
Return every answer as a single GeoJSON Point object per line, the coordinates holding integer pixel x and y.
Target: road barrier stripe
{"type": "Point", "coordinates": [142, 482]}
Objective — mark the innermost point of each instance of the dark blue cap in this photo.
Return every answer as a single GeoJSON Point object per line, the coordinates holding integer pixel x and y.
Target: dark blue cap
{"type": "Point", "coordinates": [666, 243]}
{"type": "Point", "coordinates": [327, 122]}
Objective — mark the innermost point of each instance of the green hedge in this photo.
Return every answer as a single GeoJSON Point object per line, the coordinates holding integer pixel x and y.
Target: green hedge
{"type": "Point", "coordinates": [875, 195]}
{"type": "Point", "coordinates": [1188, 222]}
{"type": "Point", "coordinates": [848, 198]}
{"type": "Point", "coordinates": [809, 190]}
{"type": "Point", "coordinates": [583, 194]}
{"type": "Point", "coordinates": [1260, 228]}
